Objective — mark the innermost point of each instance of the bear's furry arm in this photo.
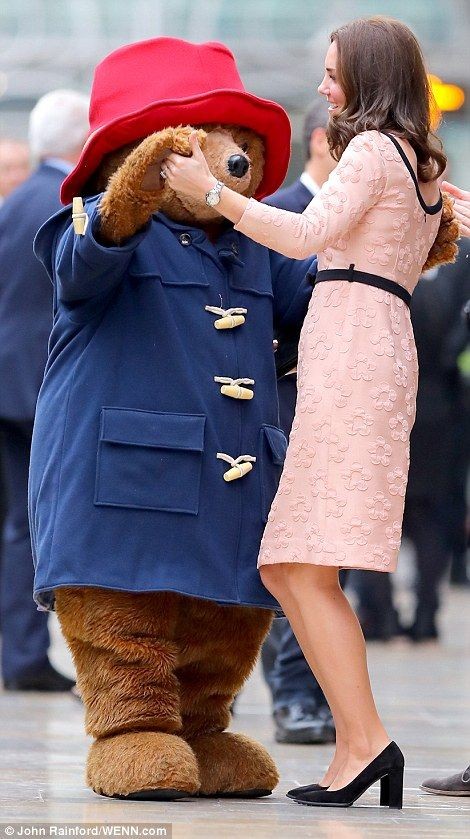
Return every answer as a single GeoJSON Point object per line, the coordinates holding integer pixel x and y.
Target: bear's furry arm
{"type": "Point", "coordinates": [126, 206]}
{"type": "Point", "coordinates": [444, 248]}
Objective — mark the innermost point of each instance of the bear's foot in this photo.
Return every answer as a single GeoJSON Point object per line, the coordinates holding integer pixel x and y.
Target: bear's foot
{"type": "Point", "coordinates": [233, 766]}
{"type": "Point", "coordinates": [146, 765]}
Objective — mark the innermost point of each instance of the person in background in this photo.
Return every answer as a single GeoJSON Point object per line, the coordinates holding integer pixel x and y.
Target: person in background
{"type": "Point", "coordinates": [14, 169]}
{"type": "Point", "coordinates": [435, 507]}
{"type": "Point", "coordinates": [57, 130]}
{"type": "Point", "coordinates": [14, 165]}
{"type": "Point", "coordinates": [461, 206]}
{"type": "Point", "coordinates": [300, 710]}
{"type": "Point", "coordinates": [459, 574]}
{"type": "Point", "coordinates": [458, 784]}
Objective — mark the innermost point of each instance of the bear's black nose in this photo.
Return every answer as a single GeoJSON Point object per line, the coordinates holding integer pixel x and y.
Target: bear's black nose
{"type": "Point", "coordinates": [238, 165]}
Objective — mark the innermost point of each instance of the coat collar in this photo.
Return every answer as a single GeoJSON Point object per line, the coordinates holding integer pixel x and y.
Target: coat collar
{"type": "Point", "coordinates": [225, 249]}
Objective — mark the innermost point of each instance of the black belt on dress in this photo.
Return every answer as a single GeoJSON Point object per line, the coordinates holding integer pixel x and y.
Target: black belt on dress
{"type": "Point", "coordinates": [350, 275]}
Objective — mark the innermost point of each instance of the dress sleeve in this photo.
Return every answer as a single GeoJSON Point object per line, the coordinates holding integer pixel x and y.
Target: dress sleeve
{"type": "Point", "coordinates": [352, 188]}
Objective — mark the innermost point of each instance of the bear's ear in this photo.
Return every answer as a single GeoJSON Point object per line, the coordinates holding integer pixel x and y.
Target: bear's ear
{"type": "Point", "coordinates": [109, 165]}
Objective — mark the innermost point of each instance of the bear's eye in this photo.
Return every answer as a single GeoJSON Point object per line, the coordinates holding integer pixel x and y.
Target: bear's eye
{"type": "Point", "coordinates": [244, 146]}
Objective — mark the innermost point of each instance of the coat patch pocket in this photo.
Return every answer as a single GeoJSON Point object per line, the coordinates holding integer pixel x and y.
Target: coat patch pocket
{"type": "Point", "coordinates": [252, 278]}
{"type": "Point", "coordinates": [178, 266]}
{"type": "Point", "coordinates": [272, 453]}
{"type": "Point", "coordinates": [149, 460]}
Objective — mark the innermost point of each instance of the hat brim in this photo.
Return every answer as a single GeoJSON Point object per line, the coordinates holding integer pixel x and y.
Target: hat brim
{"type": "Point", "coordinates": [221, 106]}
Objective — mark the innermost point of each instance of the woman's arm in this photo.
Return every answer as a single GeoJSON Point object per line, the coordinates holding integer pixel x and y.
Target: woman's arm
{"type": "Point", "coordinates": [355, 185]}
{"type": "Point", "coordinates": [461, 206]}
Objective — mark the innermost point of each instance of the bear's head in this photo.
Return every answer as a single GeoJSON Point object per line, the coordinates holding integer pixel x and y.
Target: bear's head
{"type": "Point", "coordinates": [171, 85]}
{"type": "Point", "coordinates": [235, 156]}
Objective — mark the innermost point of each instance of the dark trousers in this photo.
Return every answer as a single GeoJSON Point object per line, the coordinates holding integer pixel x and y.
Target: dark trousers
{"type": "Point", "coordinates": [285, 669]}
{"type": "Point", "coordinates": [424, 523]}
{"type": "Point", "coordinates": [3, 507]}
{"type": "Point", "coordinates": [25, 636]}
{"type": "Point", "coordinates": [375, 608]}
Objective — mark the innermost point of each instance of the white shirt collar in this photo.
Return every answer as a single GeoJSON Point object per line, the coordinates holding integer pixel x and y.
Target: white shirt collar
{"type": "Point", "coordinates": [308, 181]}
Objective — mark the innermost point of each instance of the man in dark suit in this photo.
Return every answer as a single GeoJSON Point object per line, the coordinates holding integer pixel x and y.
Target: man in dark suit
{"type": "Point", "coordinates": [14, 169]}
{"type": "Point", "coordinates": [57, 130]}
{"type": "Point", "coordinates": [300, 710]}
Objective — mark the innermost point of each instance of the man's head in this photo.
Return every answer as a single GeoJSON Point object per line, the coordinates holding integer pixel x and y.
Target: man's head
{"type": "Point", "coordinates": [14, 164]}
{"type": "Point", "coordinates": [316, 149]}
{"type": "Point", "coordinates": [58, 125]}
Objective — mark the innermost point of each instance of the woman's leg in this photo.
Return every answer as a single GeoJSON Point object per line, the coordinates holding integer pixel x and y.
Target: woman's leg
{"type": "Point", "coordinates": [332, 641]}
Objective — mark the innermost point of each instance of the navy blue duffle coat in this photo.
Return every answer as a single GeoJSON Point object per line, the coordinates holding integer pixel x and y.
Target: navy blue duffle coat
{"type": "Point", "coordinates": [126, 490]}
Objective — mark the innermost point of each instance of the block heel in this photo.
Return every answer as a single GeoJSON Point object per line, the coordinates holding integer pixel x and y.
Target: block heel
{"type": "Point", "coordinates": [391, 789]}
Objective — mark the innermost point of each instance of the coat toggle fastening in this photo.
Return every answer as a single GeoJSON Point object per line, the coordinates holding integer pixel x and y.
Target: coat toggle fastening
{"type": "Point", "coordinates": [232, 387]}
{"type": "Point", "coordinates": [240, 465]}
{"type": "Point", "coordinates": [230, 318]}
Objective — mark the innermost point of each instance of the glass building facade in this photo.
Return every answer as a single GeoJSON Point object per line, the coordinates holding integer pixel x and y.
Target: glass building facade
{"type": "Point", "coordinates": [279, 45]}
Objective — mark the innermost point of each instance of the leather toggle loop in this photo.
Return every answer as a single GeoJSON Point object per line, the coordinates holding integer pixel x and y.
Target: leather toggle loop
{"type": "Point", "coordinates": [240, 465]}
{"type": "Point", "coordinates": [230, 318]}
{"type": "Point", "coordinates": [233, 387]}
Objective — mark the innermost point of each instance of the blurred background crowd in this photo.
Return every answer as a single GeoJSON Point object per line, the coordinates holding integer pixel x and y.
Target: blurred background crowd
{"type": "Point", "coordinates": [45, 44]}
{"type": "Point", "coordinates": [53, 45]}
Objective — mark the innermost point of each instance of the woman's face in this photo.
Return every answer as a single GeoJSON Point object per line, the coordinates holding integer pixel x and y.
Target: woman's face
{"type": "Point", "coordinates": [330, 86]}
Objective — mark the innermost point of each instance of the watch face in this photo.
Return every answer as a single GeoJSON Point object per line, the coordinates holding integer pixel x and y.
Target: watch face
{"type": "Point", "coordinates": [212, 198]}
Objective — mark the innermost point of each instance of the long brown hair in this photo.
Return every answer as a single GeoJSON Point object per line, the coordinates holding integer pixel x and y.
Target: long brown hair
{"type": "Point", "coordinates": [381, 71]}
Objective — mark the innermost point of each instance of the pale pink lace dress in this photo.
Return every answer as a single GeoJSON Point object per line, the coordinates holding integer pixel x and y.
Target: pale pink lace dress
{"type": "Point", "coordinates": [341, 495]}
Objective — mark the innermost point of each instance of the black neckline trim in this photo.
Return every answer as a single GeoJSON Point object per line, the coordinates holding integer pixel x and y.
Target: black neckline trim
{"type": "Point", "coordinates": [430, 209]}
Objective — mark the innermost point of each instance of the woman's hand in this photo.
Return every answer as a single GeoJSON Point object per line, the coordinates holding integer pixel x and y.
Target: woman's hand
{"type": "Point", "coordinates": [461, 206]}
{"type": "Point", "coordinates": [192, 177]}
{"type": "Point", "coordinates": [188, 176]}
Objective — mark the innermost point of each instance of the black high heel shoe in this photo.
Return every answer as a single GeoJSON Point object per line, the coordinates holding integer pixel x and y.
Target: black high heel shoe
{"type": "Point", "coordinates": [307, 788]}
{"type": "Point", "coordinates": [387, 768]}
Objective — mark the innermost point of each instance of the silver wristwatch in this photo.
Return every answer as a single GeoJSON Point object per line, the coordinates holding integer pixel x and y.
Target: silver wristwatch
{"type": "Point", "coordinates": [213, 196]}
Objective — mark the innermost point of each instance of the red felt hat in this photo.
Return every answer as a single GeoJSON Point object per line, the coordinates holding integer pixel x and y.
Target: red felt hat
{"type": "Point", "coordinates": [147, 86]}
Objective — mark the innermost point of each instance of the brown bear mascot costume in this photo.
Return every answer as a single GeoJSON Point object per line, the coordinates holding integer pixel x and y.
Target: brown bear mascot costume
{"type": "Point", "coordinates": [156, 450]}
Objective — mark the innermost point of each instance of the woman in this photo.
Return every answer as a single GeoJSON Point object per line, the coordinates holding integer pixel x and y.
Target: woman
{"type": "Point", "coordinates": [341, 495]}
